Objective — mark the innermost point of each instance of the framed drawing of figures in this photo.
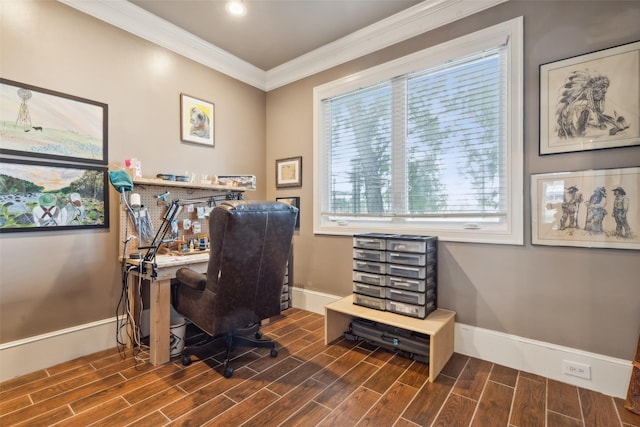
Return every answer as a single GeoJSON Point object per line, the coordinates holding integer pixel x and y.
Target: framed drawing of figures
{"type": "Point", "coordinates": [591, 101]}
{"type": "Point", "coordinates": [43, 196]}
{"type": "Point", "coordinates": [37, 122]}
{"type": "Point", "coordinates": [592, 208]}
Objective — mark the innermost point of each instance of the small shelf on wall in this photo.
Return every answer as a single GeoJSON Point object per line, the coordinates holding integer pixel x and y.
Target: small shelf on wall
{"type": "Point", "coordinates": [180, 184]}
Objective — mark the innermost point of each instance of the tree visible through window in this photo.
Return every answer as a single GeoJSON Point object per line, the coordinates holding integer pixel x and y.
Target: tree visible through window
{"type": "Point", "coordinates": [421, 148]}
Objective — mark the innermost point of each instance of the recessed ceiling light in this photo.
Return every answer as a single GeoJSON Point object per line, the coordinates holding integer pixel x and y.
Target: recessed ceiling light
{"type": "Point", "coordinates": [236, 8]}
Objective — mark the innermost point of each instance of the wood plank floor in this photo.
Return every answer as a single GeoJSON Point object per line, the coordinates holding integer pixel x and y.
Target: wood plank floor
{"type": "Point", "coordinates": [308, 384]}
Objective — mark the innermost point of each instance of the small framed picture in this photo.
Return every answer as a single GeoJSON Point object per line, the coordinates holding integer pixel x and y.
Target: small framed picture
{"type": "Point", "coordinates": [197, 118]}
{"type": "Point", "coordinates": [293, 201]}
{"type": "Point", "coordinates": [591, 101]}
{"type": "Point", "coordinates": [591, 208]}
{"type": "Point", "coordinates": [289, 172]}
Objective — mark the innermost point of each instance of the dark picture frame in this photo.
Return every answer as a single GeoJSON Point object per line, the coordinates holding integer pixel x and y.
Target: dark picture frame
{"type": "Point", "coordinates": [197, 120]}
{"type": "Point", "coordinates": [591, 101]}
{"type": "Point", "coordinates": [289, 172]}
{"type": "Point", "coordinates": [47, 196]}
{"type": "Point", "coordinates": [38, 122]}
{"type": "Point", "coordinates": [590, 208]}
{"type": "Point", "coordinates": [293, 201]}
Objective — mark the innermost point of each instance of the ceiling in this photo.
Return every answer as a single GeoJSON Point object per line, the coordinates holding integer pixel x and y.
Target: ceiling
{"type": "Point", "coordinates": [278, 41]}
{"type": "Point", "coordinates": [273, 31]}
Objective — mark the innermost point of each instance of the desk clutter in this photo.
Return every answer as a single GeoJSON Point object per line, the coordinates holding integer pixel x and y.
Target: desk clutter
{"type": "Point", "coordinates": [396, 273]}
{"type": "Point", "coordinates": [177, 215]}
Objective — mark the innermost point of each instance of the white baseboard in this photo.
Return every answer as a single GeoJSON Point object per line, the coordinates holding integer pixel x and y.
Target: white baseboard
{"type": "Point", "coordinates": [31, 354]}
{"type": "Point", "coordinates": [313, 301]}
{"type": "Point", "coordinates": [608, 375]}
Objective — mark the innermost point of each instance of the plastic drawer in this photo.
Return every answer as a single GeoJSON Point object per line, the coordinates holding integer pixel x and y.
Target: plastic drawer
{"type": "Point", "coordinates": [367, 301]}
{"type": "Point", "coordinates": [369, 278]}
{"type": "Point", "coordinates": [370, 241]}
{"type": "Point", "coordinates": [371, 290]}
{"type": "Point", "coordinates": [370, 266]}
{"type": "Point", "coordinates": [405, 243]}
{"type": "Point", "coordinates": [417, 298]}
{"type": "Point", "coordinates": [369, 255]}
{"type": "Point", "coordinates": [406, 258]}
{"type": "Point", "coordinates": [415, 285]}
{"type": "Point", "coordinates": [408, 271]}
{"type": "Point", "coordinates": [418, 311]}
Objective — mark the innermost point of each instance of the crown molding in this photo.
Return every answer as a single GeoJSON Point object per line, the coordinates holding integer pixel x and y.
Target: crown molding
{"type": "Point", "coordinates": [416, 20]}
{"type": "Point", "coordinates": [135, 20]}
{"type": "Point", "coordinates": [423, 17]}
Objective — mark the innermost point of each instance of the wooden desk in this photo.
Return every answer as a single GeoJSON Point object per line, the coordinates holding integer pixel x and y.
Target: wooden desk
{"type": "Point", "coordinates": [160, 298]}
{"type": "Point", "coordinates": [439, 325]}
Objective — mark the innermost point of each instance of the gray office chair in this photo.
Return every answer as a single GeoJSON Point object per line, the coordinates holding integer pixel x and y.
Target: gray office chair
{"type": "Point", "coordinates": [250, 243]}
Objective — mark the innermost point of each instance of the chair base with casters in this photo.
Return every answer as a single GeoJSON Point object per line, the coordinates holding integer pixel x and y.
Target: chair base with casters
{"type": "Point", "coordinates": [239, 337]}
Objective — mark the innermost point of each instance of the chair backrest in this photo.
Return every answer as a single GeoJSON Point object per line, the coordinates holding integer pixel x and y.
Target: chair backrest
{"type": "Point", "coordinates": [249, 250]}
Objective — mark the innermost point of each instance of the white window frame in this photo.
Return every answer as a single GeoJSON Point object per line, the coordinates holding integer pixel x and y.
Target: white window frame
{"type": "Point", "coordinates": [509, 232]}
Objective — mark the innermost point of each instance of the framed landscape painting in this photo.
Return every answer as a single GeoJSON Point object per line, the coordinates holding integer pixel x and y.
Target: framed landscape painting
{"type": "Point", "coordinates": [38, 122]}
{"type": "Point", "coordinates": [41, 196]}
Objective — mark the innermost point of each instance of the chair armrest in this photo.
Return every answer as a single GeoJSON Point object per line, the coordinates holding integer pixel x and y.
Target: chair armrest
{"type": "Point", "coordinates": [192, 279]}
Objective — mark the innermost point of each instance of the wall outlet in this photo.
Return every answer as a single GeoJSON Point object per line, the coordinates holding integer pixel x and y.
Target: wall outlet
{"type": "Point", "coordinates": [576, 369]}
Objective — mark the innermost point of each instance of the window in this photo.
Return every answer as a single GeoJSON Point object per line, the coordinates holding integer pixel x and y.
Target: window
{"type": "Point", "coordinates": [437, 151]}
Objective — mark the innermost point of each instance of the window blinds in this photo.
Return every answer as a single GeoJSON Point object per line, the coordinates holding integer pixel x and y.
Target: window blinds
{"type": "Point", "coordinates": [425, 144]}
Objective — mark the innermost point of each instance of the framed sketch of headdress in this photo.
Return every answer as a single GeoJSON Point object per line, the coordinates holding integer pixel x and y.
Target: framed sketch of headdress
{"type": "Point", "coordinates": [591, 101]}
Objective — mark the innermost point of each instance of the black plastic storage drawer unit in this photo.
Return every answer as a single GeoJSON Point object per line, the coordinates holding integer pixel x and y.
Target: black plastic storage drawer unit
{"type": "Point", "coordinates": [395, 272]}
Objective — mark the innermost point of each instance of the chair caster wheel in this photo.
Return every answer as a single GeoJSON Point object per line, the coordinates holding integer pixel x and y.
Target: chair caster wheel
{"type": "Point", "coordinates": [228, 372]}
{"type": "Point", "coordinates": [274, 352]}
{"type": "Point", "coordinates": [186, 360]}
{"type": "Point", "coordinates": [258, 335]}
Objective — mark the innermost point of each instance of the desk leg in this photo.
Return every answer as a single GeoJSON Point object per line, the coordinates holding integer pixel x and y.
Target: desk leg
{"type": "Point", "coordinates": [159, 323]}
{"type": "Point", "coordinates": [134, 307]}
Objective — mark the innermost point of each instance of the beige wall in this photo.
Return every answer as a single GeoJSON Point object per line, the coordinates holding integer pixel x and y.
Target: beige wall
{"type": "Point", "coordinates": [582, 298]}
{"type": "Point", "coordinates": [587, 299]}
{"type": "Point", "coordinates": [55, 280]}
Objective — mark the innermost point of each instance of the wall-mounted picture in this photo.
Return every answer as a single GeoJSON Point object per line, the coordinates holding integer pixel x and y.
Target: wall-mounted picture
{"type": "Point", "coordinates": [293, 201]}
{"type": "Point", "coordinates": [289, 172]}
{"type": "Point", "coordinates": [38, 122]}
{"type": "Point", "coordinates": [196, 120]}
{"type": "Point", "coordinates": [591, 101]}
{"type": "Point", "coordinates": [592, 208]}
{"type": "Point", "coordinates": [39, 196]}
